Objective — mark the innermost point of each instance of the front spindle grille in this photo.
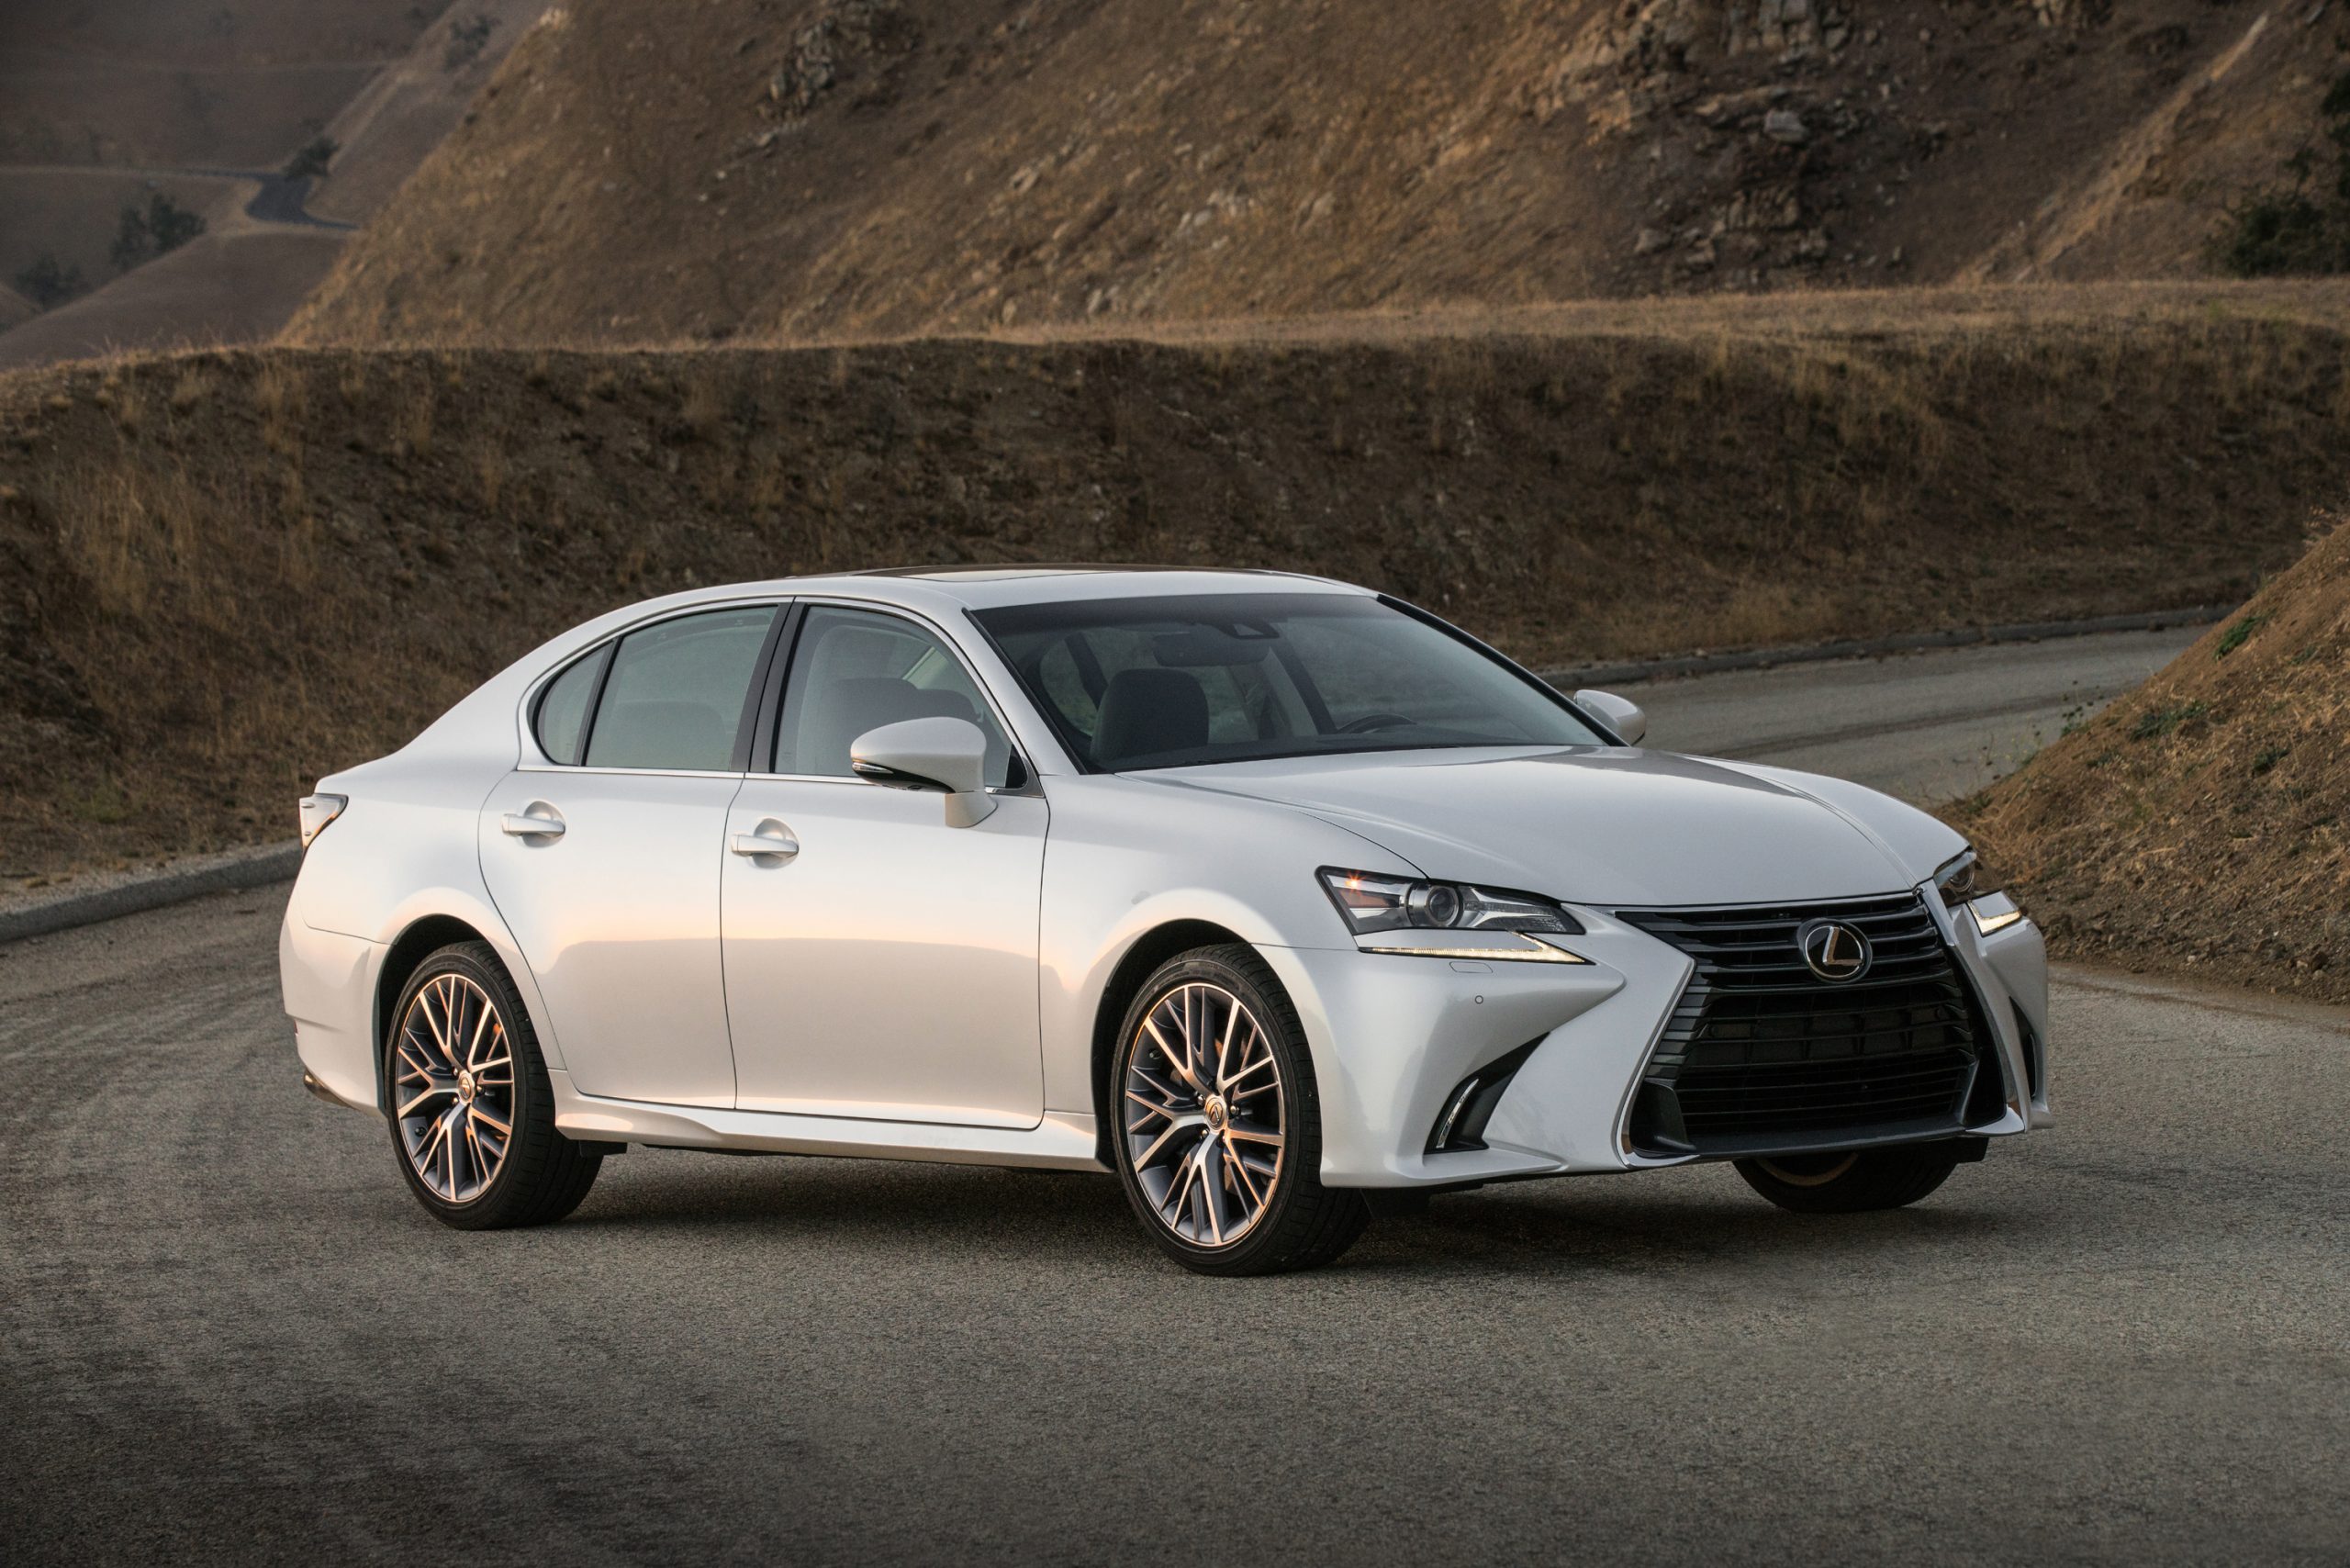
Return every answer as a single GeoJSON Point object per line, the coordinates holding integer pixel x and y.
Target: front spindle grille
{"type": "Point", "coordinates": [1762, 1056]}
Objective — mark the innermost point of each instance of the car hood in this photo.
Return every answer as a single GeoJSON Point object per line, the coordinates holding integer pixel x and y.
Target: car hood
{"type": "Point", "coordinates": [1602, 826]}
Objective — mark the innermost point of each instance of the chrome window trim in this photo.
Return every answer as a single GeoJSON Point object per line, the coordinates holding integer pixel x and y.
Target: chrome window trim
{"type": "Point", "coordinates": [567, 768]}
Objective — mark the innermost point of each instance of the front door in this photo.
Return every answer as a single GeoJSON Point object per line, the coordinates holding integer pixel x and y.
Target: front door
{"type": "Point", "coordinates": [604, 854]}
{"type": "Point", "coordinates": [880, 964]}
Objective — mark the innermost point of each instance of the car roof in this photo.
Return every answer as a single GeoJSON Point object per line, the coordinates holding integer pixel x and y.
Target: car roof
{"type": "Point", "coordinates": [985, 586]}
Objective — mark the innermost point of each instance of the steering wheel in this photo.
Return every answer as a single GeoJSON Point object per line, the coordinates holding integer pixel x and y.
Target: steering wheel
{"type": "Point", "coordinates": [1371, 722]}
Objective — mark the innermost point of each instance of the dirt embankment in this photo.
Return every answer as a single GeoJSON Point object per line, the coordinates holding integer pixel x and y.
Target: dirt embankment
{"type": "Point", "coordinates": [2202, 822]}
{"type": "Point", "coordinates": [751, 169]}
{"type": "Point", "coordinates": [227, 573]}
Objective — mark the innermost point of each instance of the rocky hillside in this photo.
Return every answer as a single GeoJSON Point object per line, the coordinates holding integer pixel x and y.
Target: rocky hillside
{"type": "Point", "coordinates": [2199, 822]}
{"type": "Point", "coordinates": [795, 169]}
{"type": "Point", "coordinates": [224, 574]}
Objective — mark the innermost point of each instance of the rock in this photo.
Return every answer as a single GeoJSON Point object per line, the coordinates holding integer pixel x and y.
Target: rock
{"type": "Point", "coordinates": [1722, 109]}
{"type": "Point", "coordinates": [1787, 127]}
{"type": "Point", "coordinates": [1648, 241]}
{"type": "Point", "coordinates": [844, 33]}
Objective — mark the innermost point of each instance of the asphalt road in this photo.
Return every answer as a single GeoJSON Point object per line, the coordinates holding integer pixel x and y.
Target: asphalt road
{"type": "Point", "coordinates": [231, 1335]}
{"type": "Point", "coordinates": [1928, 727]}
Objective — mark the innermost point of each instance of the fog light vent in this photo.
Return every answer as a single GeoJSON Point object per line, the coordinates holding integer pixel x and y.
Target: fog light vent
{"type": "Point", "coordinates": [1461, 1124]}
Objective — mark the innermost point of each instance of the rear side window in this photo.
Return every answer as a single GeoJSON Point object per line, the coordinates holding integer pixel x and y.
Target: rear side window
{"type": "Point", "coordinates": [563, 709]}
{"type": "Point", "coordinates": [674, 697]}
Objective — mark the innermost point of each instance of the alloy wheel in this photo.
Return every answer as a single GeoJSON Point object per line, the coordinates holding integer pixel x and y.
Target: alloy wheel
{"type": "Point", "coordinates": [1204, 1119]}
{"type": "Point", "coordinates": [454, 1089]}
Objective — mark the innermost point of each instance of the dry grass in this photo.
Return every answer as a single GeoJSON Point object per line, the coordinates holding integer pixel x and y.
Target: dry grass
{"type": "Point", "coordinates": [2199, 822]}
{"type": "Point", "coordinates": [251, 587]}
{"type": "Point", "coordinates": [1111, 166]}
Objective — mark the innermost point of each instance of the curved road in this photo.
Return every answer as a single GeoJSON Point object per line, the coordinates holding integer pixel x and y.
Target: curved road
{"type": "Point", "coordinates": [230, 1336]}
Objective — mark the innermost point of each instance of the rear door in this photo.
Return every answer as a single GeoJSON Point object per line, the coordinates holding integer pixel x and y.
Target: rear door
{"type": "Point", "coordinates": [603, 853]}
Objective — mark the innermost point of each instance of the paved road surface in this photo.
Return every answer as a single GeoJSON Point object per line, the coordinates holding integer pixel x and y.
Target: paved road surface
{"type": "Point", "coordinates": [1928, 727]}
{"type": "Point", "coordinates": [230, 1336]}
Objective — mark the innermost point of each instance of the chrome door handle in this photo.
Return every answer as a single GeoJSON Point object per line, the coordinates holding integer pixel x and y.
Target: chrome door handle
{"type": "Point", "coordinates": [772, 840]}
{"type": "Point", "coordinates": [530, 824]}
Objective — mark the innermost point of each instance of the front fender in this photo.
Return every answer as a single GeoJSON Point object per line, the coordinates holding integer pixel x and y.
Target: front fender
{"type": "Point", "coordinates": [1128, 856]}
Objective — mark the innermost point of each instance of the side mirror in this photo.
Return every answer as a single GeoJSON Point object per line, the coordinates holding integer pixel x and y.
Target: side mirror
{"type": "Point", "coordinates": [1623, 715]}
{"type": "Point", "coordinates": [944, 755]}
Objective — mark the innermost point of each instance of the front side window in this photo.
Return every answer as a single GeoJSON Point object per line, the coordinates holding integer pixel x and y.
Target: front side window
{"type": "Point", "coordinates": [674, 696]}
{"type": "Point", "coordinates": [1169, 682]}
{"type": "Point", "coordinates": [854, 670]}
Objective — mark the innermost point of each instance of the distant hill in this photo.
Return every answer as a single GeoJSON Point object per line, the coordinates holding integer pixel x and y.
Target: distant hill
{"type": "Point", "coordinates": [104, 108]}
{"type": "Point", "coordinates": [854, 167]}
{"type": "Point", "coordinates": [184, 82]}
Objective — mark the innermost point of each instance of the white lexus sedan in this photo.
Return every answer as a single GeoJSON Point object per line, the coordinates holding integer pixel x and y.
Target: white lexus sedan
{"type": "Point", "coordinates": [1285, 900]}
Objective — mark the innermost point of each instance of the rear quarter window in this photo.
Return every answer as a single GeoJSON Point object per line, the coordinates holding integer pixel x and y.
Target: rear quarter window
{"type": "Point", "coordinates": [563, 709]}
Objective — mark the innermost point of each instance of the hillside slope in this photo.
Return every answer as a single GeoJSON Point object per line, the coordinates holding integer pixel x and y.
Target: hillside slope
{"type": "Point", "coordinates": [223, 574]}
{"type": "Point", "coordinates": [840, 168]}
{"type": "Point", "coordinates": [2203, 822]}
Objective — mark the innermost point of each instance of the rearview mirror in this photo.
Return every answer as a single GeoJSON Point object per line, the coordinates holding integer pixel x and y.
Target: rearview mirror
{"type": "Point", "coordinates": [944, 755]}
{"type": "Point", "coordinates": [1620, 714]}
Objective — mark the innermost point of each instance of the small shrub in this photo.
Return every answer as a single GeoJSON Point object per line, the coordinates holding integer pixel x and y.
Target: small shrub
{"type": "Point", "coordinates": [2275, 231]}
{"type": "Point", "coordinates": [2268, 758]}
{"type": "Point", "coordinates": [2283, 229]}
{"type": "Point", "coordinates": [313, 161]}
{"type": "Point", "coordinates": [466, 40]}
{"type": "Point", "coordinates": [162, 228]}
{"type": "Point", "coordinates": [49, 282]}
{"type": "Point", "coordinates": [2235, 636]}
{"type": "Point", "coordinates": [2167, 720]}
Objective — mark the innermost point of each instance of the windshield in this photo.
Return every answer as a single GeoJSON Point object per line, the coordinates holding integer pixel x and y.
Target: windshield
{"type": "Point", "coordinates": [1136, 683]}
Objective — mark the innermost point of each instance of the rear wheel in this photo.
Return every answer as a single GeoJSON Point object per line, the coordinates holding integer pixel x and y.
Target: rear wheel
{"type": "Point", "coordinates": [1855, 1181]}
{"type": "Point", "coordinates": [473, 1116]}
{"type": "Point", "coordinates": [1219, 1139]}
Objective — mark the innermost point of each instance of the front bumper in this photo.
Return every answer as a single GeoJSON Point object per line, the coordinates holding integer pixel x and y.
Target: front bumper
{"type": "Point", "coordinates": [1394, 1035]}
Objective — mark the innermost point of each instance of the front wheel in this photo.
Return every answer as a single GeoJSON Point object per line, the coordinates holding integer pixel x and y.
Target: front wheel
{"type": "Point", "coordinates": [1219, 1139]}
{"type": "Point", "coordinates": [1857, 1182]}
{"type": "Point", "coordinates": [473, 1115]}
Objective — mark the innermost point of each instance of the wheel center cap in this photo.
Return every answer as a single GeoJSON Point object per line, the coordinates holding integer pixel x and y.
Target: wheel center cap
{"type": "Point", "coordinates": [1214, 1111]}
{"type": "Point", "coordinates": [465, 1086]}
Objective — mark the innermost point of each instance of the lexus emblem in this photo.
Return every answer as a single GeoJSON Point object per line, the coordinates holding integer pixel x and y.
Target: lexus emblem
{"type": "Point", "coordinates": [1834, 951]}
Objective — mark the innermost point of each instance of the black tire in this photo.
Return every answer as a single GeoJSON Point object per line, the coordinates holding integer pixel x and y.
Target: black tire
{"type": "Point", "coordinates": [1860, 1181]}
{"type": "Point", "coordinates": [542, 1175]}
{"type": "Point", "coordinates": [1304, 1223]}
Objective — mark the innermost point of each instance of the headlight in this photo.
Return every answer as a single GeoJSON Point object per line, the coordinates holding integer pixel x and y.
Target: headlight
{"type": "Point", "coordinates": [1956, 878]}
{"type": "Point", "coordinates": [1961, 885]}
{"type": "Point", "coordinates": [1373, 903]}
